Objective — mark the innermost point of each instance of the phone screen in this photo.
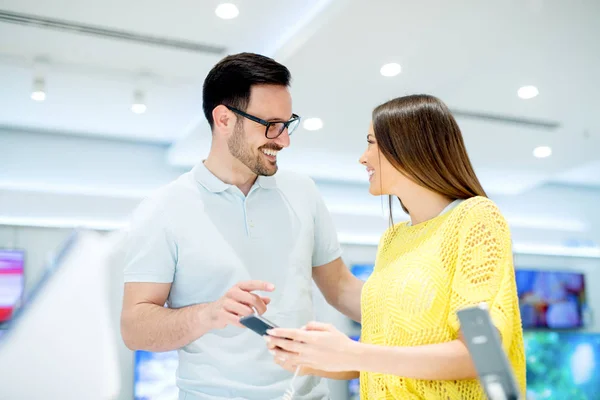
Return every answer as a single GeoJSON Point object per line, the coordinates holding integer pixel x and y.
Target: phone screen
{"type": "Point", "coordinates": [257, 324]}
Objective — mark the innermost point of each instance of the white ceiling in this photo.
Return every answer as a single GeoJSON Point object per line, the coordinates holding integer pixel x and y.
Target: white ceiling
{"type": "Point", "coordinates": [91, 79]}
{"type": "Point", "coordinates": [474, 55]}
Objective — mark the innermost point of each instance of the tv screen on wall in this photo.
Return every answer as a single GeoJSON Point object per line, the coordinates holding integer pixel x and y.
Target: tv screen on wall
{"type": "Point", "coordinates": [362, 271]}
{"type": "Point", "coordinates": [551, 299]}
{"type": "Point", "coordinates": [11, 282]}
{"type": "Point", "coordinates": [155, 375]}
{"type": "Point", "coordinates": [562, 365]}
{"type": "Point", "coordinates": [354, 384]}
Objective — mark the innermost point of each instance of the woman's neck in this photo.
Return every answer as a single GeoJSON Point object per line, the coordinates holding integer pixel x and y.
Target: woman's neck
{"type": "Point", "coordinates": [423, 204]}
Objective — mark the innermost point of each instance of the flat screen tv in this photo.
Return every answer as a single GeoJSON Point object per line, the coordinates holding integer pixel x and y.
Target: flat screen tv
{"type": "Point", "coordinates": [11, 282]}
{"type": "Point", "coordinates": [362, 271]}
{"type": "Point", "coordinates": [551, 299]}
{"type": "Point", "coordinates": [155, 375]}
{"type": "Point", "coordinates": [562, 365]}
{"type": "Point", "coordinates": [354, 384]}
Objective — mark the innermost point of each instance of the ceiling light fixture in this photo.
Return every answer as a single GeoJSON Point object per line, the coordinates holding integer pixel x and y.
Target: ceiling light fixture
{"type": "Point", "coordinates": [527, 92]}
{"type": "Point", "coordinates": [39, 89]}
{"type": "Point", "coordinates": [313, 124]}
{"type": "Point", "coordinates": [40, 69]}
{"type": "Point", "coordinates": [542, 152]}
{"type": "Point", "coordinates": [139, 103]}
{"type": "Point", "coordinates": [391, 69]}
{"type": "Point", "coordinates": [227, 11]}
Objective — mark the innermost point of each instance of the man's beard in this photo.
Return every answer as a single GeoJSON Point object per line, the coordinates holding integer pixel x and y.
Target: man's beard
{"type": "Point", "coordinates": [238, 147]}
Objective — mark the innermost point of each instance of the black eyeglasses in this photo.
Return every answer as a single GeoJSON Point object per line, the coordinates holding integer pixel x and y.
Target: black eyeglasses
{"type": "Point", "coordinates": [272, 128]}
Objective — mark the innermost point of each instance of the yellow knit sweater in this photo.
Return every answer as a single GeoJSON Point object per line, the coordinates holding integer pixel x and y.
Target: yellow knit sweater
{"type": "Point", "coordinates": [424, 274]}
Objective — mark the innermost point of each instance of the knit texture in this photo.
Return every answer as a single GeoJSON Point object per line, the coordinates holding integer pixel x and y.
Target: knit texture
{"type": "Point", "coordinates": [423, 275]}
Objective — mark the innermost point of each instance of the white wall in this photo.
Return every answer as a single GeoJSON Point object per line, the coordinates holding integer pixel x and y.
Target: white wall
{"type": "Point", "coordinates": [40, 243]}
{"type": "Point", "coordinates": [54, 180]}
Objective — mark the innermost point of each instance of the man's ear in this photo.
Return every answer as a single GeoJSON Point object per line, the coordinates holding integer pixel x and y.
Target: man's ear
{"type": "Point", "coordinates": [223, 121]}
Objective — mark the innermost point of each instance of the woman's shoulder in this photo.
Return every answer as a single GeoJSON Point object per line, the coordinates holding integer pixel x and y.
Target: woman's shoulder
{"type": "Point", "coordinates": [478, 207]}
{"type": "Point", "coordinates": [480, 214]}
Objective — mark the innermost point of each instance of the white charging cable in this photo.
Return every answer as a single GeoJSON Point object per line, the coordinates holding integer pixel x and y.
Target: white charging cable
{"type": "Point", "coordinates": [289, 394]}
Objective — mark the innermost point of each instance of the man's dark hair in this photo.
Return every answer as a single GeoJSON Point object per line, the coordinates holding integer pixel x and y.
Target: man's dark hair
{"type": "Point", "coordinates": [230, 81]}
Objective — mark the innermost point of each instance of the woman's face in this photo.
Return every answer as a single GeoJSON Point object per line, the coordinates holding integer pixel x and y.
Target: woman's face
{"type": "Point", "coordinates": [383, 177]}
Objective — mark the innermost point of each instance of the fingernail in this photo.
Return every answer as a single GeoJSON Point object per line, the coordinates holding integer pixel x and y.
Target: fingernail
{"type": "Point", "coordinates": [267, 339]}
{"type": "Point", "coordinates": [270, 331]}
{"type": "Point", "coordinates": [270, 286]}
{"type": "Point", "coordinates": [272, 352]}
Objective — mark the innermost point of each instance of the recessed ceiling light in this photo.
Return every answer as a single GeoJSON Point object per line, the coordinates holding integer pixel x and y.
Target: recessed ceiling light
{"type": "Point", "coordinates": [313, 124]}
{"type": "Point", "coordinates": [139, 102]}
{"type": "Point", "coordinates": [138, 108]}
{"type": "Point", "coordinates": [542, 152]}
{"type": "Point", "coordinates": [227, 11]}
{"type": "Point", "coordinates": [38, 95]}
{"type": "Point", "coordinates": [528, 92]}
{"type": "Point", "coordinates": [391, 69]}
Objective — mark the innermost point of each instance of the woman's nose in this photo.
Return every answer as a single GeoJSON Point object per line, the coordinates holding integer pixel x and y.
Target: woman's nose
{"type": "Point", "coordinates": [362, 159]}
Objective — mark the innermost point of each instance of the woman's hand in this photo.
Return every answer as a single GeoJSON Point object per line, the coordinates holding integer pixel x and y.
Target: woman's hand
{"type": "Point", "coordinates": [318, 346]}
{"type": "Point", "coordinates": [289, 366]}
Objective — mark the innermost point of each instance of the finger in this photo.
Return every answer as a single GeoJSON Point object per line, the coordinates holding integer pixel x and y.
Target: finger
{"type": "Point", "coordinates": [285, 357]}
{"type": "Point", "coordinates": [236, 308]}
{"type": "Point", "coordinates": [265, 300]}
{"type": "Point", "coordinates": [319, 326]}
{"type": "Point", "coordinates": [289, 360]}
{"type": "Point", "coordinates": [249, 286]}
{"type": "Point", "coordinates": [270, 345]}
{"type": "Point", "coordinates": [278, 351]}
{"type": "Point", "coordinates": [259, 305]}
{"type": "Point", "coordinates": [287, 345]}
{"type": "Point", "coordinates": [234, 320]}
{"type": "Point", "coordinates": [299, 335]}
{"type": "Point", "coordinates": [250, 299]}
{"type": "Point", "coordinates": [285, 364]}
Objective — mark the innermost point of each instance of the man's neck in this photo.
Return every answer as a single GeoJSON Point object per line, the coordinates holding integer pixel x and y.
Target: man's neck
{"type": "Point", "coordinates": [231, 171]}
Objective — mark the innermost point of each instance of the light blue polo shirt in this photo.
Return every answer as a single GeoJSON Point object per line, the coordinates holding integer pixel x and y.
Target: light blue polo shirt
{"type": "Point", "coordinates": [204, 236]}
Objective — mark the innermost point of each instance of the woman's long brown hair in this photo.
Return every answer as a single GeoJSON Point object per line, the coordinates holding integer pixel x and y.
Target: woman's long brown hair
{"type": "Point", "coordinates": [419, 136]}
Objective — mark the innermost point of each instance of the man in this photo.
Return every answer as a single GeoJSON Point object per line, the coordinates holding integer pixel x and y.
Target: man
{"type": "Point", "coordinates": [221, 238]}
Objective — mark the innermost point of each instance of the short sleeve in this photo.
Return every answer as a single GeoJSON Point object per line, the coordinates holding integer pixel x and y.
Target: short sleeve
{"type": "Point", "coordinates": [484, 269]}
{"type": "Point", "coordinates": [326, 247]}
{"type": "Point", "coordinates": [149, 248]}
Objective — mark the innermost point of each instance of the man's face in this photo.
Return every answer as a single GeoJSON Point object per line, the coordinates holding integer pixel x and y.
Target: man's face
{"type": "Point", "coordinates": [248, 142]}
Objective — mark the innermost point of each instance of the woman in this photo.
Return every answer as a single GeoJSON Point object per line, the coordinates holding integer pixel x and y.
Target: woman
{"type": "Point", "coordinates": [454, 252]}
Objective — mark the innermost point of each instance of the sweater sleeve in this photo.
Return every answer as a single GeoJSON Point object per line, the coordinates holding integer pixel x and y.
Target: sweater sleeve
{"type": "Point", "coordinates": [484, 269]}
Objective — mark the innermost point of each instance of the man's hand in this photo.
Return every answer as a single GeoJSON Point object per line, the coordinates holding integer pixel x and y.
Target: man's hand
{"type": "Point", "coordinates": [238, 302]}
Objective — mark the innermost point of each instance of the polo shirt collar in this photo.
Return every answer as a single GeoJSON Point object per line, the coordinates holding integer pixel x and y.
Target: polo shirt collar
{"type": "Point", "coordinates": [266, 182]}
{"type": "Point", "coordinates": [213, 184]}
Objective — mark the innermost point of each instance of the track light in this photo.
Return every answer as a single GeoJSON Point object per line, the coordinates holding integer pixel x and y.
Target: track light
{"type": "Point", "coordinates": [40, 69]}
{"type": "Point", "coordinates": [227, 11]}
{"type": "Point", "coordinates": [39, 89]}
{"type": "Point", "coordinates": [528, 92]}
{"type": "Point", "coordinates": [139, 102]}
